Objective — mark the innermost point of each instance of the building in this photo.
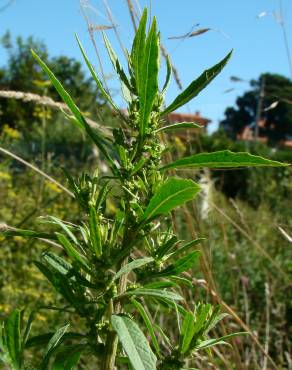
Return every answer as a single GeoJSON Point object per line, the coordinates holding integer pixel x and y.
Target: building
{"type": "Point", "coordinates": [248, 134]}
{"type": "Point", "coordinates": [188, 117]}
{"type": "Point", "coordinates": [176, 117]}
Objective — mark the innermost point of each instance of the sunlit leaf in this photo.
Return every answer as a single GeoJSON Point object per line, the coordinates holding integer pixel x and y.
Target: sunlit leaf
{"type": "Point", "coordinates": [222, 159]}
{"type": "Point", "coordinates": [168, 74]}
{"type": "Point", "coordinates": [95, 77]}
{"type": "Point", "coordinates": [138, 49]}
{"type": "Point", "coordinates": [173, 193]}
{"type": "Point", "coordinates": [116, 64]}
{"type": "Point", "coordinates": [196, 86]}
{"type": "Point", "coordinates": [180, 126]}
{"type": "Point", "coordinates": [148, 80]}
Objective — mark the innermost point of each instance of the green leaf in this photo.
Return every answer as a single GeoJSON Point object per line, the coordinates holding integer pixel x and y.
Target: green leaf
{"type": "Point", "coordinates": [95, 235]}
{"type": "Point", "coordinates": [52, 345]}
{"type": "Point", "coordinates": [156, 293]}
{"type": "Point", "coordinates": [148, 323]}
{"type": "Point", "coordinates": [57, 263]}
{"type": "Point", "coordinates": [116, 64]}
{"type": "Point", "coordinates": [81, 122]}
{"type": "Point", "coordinates": [72, 252]}
{"type": "Point", "coordinates": [132, 265]}
{"type": "Point", "coordinates": [148, 81]}
{"type": "Point", "coordinates": [43, 339]}
{"type": "Point", "coordinates": [62, 92]}
{"type": "Point", "coordinates": [166, 247]}
{"type": "Point", "coordinates": [214, 319]}
{"type": "Point", "coordinates": [138, 49]}
{"type": "Point", "coordinates": [212, 342]}
{"type": "Point", "coordinates": [187, 332]}
{"type": "Point", "coordinates": [179, 126]}
{"type": "Point", "coordinates": [65, 227]}
{"type": "Point", "coordinates": [68, 357]}
{"type": "Point", "coordinates": [27, 234]}
{"type": "Point", "coordinates": [222, 159]}
{"type": "Point", "coordinates": [11, 338]}
{"type": "Point", "coordinates": [28, 328]}
{"type": "Point", "coordinates": [64, 268]}
{"type": "Point", "coordinates": [181, 265]}
{"type": "Point", "coordinates": [196, 86]}
{"type": "Point", "coordinates": [171, 194]}
{"type": "Point", "coordinates": [95, 77]}
{"type": "Point", "coordinates": [160, 285]}
{"type": "Point", "coordinates": [134, 343]}
{"type": "Point", "coordinates": [201, 318]}
{"type": "Point", "coordinates": [168, 74]}
{"type": "Point", "coordinates": [186, 247]}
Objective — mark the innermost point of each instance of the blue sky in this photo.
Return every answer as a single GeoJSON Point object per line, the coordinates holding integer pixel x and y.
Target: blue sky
{"type": "Point", "coordinates": [257, 42]}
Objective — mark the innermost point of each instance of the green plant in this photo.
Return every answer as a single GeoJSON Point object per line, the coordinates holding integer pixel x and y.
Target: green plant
{"type": "Point", "coordinates": [116, 264]}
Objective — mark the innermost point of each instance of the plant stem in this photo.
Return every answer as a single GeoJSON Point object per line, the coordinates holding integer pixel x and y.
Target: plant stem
{"type": "Point", "coordinates": [111, 344]}
{"type": "Point", "coordinates": [112, 338]}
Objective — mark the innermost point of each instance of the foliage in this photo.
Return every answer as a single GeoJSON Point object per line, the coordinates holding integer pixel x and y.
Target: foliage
{"type": "Point", "coordinates": [247, 184]}
{"type": "Point", "coordinates": [23, 73]}
{"type": "Point", "coordinates": [93, 263]}
{"type": "Point", "coordinates": [278, 120]}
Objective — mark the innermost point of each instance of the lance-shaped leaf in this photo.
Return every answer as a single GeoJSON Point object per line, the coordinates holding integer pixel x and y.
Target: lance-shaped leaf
{"type": "Point", "coordinates": [187, 332]}
{"type": "Point", "coordinates": [79, 119]}
{"type": "Point", "coordinates": [58, 264]}
{"type": "Point", "coordinates": [132, 265]}
{"type": "Point", "coordinates": [138, 49]}
{"type": "Point", "coordinates": [68, 357]}
{"type": "Point", "coordinates": [196, 86]}
{"type": "Point", "coordinates": [148, 323]}
{"type": "Point", "coordinates": [95, 77]}
{"type": "Point", "coordinates": [10, 340]}
{"type": "Point", "coordinates": [134, 343]}
{"type": "Point", "coordinates": [61, 91]}
{"type": "Point", "coordinates": [155, 293]}
{"type": "Point", "coordinates": [148, 80]}
{"type": "Point", "coordinates": [52, 345]}
{"type": "Point", "coordinates": [222, 159]}
{"type": "Point", "coordinates": [166, 247]}
{"type": "Point", "coordinates": [95, 234]}
{"type": "Point", "coordinates": [179, 126]}
{"type": "Point", "coordinates": [9, 232]}
{"type": "Point", "coordinates": [186, 247]}
{"type": "Point", "coordinates": [72, 252]}
{"type": "Point", "coordinates": [171, 194]}
{"type": "Point", "coordinates": [213, 342]}
{"type": "Point", "coordinates": [168, 74]}
{"type": "Point", "coordinates": [180, 265]}
{"type": "Point", "coordinates": [116, 64]}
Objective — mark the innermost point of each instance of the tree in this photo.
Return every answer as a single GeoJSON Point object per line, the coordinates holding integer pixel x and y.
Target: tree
{"type": "Point", "coordinates": [22, 73]}
{"type": "Point", "coordinates": [278, 119]}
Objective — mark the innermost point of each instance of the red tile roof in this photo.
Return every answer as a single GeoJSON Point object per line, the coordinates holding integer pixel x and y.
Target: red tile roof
{"type": "Point", "coordinates": [188, 117]}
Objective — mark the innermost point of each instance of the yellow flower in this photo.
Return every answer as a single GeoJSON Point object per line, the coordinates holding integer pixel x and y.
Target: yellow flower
{"type": "Point", "coordinates": [11, 132]}
{"type": "Point", "coordinates": [53, 187]}
{"type": "Point", "coordinates": [5, 176]}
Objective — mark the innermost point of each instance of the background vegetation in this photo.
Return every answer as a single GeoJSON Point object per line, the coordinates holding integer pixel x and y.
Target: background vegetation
{"type": "Point", "coordinates": [246, 259]}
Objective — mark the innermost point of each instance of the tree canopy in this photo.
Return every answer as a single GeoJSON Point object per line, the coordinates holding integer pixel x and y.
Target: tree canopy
{"type": "Point", "coordinates": [22, 73]}
{"type": "Point", "coordinates": [277, 109]}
